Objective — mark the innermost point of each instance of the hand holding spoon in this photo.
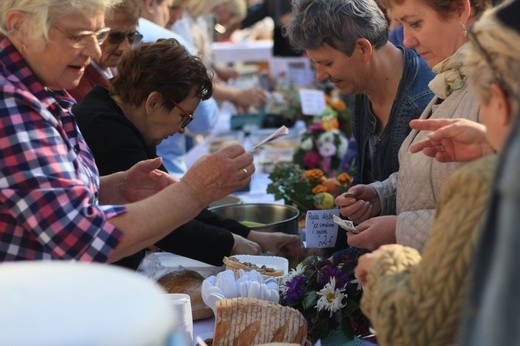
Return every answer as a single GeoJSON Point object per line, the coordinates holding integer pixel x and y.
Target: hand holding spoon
{"type": "Point", "coordinates": [282, 131]}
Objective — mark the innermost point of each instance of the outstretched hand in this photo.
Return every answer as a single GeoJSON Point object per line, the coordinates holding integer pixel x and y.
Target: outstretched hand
{"type": "Point", "coordinates": [279, 244]}
{"type": "Point", "coordinates": [144, 179]}
{"type": "Point", "coordinates": [367, 261]}
{"type": "Point", "coordinates": [451, 140]}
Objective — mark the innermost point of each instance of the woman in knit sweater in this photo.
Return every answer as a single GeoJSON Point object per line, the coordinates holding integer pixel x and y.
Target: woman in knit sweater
{"type": "Point", "coordinates": [400, 209]}
{"type": "Point", "coordinates": [417, 301]}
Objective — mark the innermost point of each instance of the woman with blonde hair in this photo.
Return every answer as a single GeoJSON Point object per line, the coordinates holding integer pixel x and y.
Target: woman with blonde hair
{"type": "Point", "coordinates": [53, 203]}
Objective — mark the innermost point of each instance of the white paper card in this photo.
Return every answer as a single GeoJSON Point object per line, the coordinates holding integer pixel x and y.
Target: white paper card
{"type": "Point", "coordinates": [312, 101]}
{"type": "Point", "coordinates": [320, 229]}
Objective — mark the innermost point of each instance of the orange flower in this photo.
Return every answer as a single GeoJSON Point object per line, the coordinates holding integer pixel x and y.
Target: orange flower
{"type": "Point", "coordinates": [345, 178]}
{"type": "Point", "coordinates": [330, 123]}
{"type": "Point", "coordinates": [319, 189]}
{"type": "Point", "coordinates": [338, 104]}
{"type": "Point", "coordinates": [314, 174]}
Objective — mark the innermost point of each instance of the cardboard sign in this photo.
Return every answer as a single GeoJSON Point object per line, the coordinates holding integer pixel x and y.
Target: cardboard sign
{"type": "Point", "coordinates": [320, 229]}
{"type": "Point", "coordinates": [312, 101]}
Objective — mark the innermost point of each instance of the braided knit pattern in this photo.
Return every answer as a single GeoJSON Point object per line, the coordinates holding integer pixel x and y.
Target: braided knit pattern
{"type": "Point", "coordinates": [414, 301]}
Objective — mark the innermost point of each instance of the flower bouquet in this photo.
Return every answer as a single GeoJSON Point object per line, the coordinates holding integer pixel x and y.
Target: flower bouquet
{"type": "Point", "coordinates": [306, 189]}
{"type": "Point", "coordinates": [328, 295]}
{"type": "Point", "coordinates": [322, 146]}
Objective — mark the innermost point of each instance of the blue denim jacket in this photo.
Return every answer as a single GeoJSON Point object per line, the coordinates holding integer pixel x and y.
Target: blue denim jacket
{"type": "Point", "coordinates": [412, 98]}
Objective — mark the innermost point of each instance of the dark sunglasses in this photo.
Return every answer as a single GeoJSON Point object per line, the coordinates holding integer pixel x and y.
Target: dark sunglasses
{"type": "Point", "coordinates": [186, 117]}
{"type": "Point", "coordinates": [117, 37]}
{"type": "Point", "coordinates": [487, 57]}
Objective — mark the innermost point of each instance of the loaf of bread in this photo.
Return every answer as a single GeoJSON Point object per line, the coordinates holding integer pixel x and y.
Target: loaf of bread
{"type": "Point", "coordinates": [189, 282]}
{"type": "Point", "coordinates": [251, 321]}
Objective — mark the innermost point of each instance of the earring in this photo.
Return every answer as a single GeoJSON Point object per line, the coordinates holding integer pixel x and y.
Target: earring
{"type": "Point", "coordinates": [464, 30]}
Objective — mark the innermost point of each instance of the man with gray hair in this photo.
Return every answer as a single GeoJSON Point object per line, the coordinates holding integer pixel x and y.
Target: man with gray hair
{"type": "Point", "coordinates": [387, 85]}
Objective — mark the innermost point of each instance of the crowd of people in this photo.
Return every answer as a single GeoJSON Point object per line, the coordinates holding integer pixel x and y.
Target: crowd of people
{"type": "Point", "coordinates": [97, 97]}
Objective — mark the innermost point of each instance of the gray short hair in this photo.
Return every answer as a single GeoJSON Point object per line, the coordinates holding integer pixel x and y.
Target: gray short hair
{"type": "Point", "coordinates": [502, 45]}
{"type": "Point", "coordinates": [43, 13]}
{"type": "Point", "coordinates": [338, 23]}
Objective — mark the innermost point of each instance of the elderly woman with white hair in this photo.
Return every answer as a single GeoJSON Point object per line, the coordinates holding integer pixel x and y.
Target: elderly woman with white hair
{"type": "Point", "coordinates": [417, 300]}
{"type": "Point", "coordinates": [53, 204]}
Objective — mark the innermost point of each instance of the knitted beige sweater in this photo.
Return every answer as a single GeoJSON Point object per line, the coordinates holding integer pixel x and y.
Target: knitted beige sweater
{"type": "Point", "coordinates": [414, 301]}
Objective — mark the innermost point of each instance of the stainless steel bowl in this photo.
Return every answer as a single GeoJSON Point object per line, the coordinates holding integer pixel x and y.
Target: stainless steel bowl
{"type": "Point", "coordinates": [273, 217]}
{"type": "Point", "coordinates": [228, 200]}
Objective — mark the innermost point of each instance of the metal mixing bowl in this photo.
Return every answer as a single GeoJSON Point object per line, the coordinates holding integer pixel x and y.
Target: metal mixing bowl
{"type": "Point", "coordinates": [273, 217]}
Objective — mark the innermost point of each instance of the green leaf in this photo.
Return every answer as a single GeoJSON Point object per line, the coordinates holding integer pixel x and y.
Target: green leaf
{"type": "Point", "coordinates": [310, 300]}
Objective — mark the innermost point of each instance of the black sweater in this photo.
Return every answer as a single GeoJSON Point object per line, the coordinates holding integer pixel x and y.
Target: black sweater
{"type": "Point", "coordinates": [117, 145]}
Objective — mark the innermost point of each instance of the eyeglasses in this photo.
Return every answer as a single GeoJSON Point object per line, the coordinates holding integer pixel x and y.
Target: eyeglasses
{"type": "Point", "coordinates": [117, 37]}
{"type": "Point", "coordinates": [81, 39]}
{"type": "Point", "coordinates": [186, 117]}
{"type": "Point", "coordinates": [487, 57]}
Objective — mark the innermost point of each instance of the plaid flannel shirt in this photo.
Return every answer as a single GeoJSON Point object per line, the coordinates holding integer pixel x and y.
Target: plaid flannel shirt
{"type": "Point", "coordinates": [48, 179]}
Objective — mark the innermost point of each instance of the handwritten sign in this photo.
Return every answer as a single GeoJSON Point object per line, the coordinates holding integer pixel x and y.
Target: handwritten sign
{"type": "Point", "coordinates": [320, 229]}
{"type": "Point", "coordinates": [312, 101]}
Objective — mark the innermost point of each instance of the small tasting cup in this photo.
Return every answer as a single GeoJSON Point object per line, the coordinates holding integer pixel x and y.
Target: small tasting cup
{"type": "Point", "coordinates": [181, 305]}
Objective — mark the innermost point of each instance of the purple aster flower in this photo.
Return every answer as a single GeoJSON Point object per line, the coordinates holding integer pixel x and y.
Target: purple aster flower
{"type": "Point", "coordinates": [294, 289]}
{"type": "Point", "coordinates": [331, 270]}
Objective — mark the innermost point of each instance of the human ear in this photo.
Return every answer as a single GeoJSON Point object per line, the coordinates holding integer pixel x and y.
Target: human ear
{"type": "Point", "coordinates": [153, 101]}
{"type": "Point", "coordinates": [15, 24]}
{"type": "Point", "coordinates": [502, 105]}
{"type": "Point", "coordinates": [464, 11]}
{"type": "Point", "coordinates": [365, 47]}
{"type": "Point", "coordinates": [148, 7]}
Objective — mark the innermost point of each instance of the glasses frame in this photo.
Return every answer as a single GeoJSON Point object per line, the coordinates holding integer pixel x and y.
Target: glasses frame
{"type": "Point", "coordinates": [134, 37]}
{"type": "Point", "coordinates": [186, 117]}
{"type": "Point", "coordinates": [80, 39]}
{"type": "Point", "coordinates": [472, 36]}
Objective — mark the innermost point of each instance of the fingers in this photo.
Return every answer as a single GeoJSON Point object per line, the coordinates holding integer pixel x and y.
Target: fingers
{"type": "Point", "coordinates": [357, 212]}
{"type": "Point", "coordinates": [148, 165]}
{"type": "Point", "coordinates": [430, 124]}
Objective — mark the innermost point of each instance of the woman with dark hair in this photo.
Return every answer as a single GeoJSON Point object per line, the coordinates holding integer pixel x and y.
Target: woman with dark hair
{"type": "Point", "coordinates": [122, 126]}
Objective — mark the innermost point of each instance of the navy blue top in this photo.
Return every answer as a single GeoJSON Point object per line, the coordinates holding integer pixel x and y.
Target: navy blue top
{"type": "Point", "coordinates": [377, 154]}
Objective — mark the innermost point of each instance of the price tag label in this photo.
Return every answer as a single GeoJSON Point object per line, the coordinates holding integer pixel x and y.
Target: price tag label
{"type": "Point", "coordinates": [312, 101]}
{"type": "Point", "coordinates": [320, 229]}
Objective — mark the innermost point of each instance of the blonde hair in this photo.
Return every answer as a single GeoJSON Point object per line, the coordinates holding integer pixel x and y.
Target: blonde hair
{"type": "Point", "coordinates": [502, 45]}
{"type": "Point", "coordinates": [198, 8]}
{"type": "Point", "coordinates": [43, 13]}
{"type": "Point", "coordinates": [238, 8]}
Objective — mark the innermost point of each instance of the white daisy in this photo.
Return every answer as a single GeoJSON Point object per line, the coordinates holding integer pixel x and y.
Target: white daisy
{"type": "Point", "coordinates": [306, 144]}
{"type": "Point", "coordinates": [299, 270]}
{"type": "Point", "coordinates": [331, 298]}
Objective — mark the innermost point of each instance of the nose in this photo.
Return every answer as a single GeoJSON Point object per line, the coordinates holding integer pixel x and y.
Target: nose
{"type": "Point", "coordinates": [93, 49]}
{"type": "Point", "coordinates": [125, 45]}
{"type": "Point", "coordinates": [321, 73]}
{"type": "Point", "coordinates": [409, 40]}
